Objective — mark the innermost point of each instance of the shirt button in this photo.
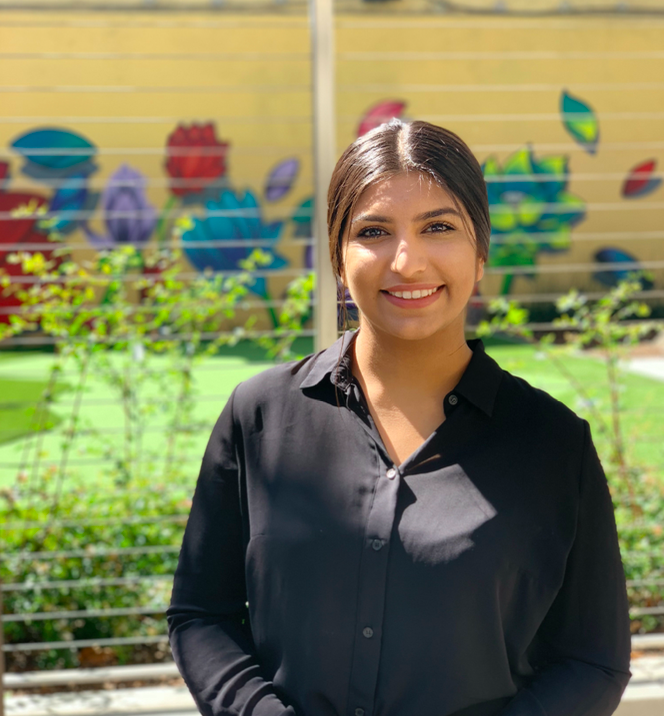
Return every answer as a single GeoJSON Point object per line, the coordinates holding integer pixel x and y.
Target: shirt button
{"type": "Point", "coordinates": [367, 632]}
{"type": "Point", "coordinates": [376, 544]}
{"type": "Point", "coordinates": [359, 712]}
{"type": "Point", "coordinates": [453, 400]}
{"type": "Point", "coordinates": [391, 473]}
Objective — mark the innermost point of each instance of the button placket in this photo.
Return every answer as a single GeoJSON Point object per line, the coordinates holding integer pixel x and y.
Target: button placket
{"type": "Point", "coordinates": [371, 597]}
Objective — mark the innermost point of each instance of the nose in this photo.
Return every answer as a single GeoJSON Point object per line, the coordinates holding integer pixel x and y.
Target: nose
{"type": "Point", "coordinates": [409, 257]}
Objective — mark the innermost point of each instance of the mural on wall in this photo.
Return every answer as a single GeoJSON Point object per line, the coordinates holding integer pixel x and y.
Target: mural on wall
{"type": "Point", "coordinates": [17, 233]}
{"type": "Point", "coordinates": [640, 180]}
{"type": "Point", "coordinates": [232, 225]}
{"type": "Point", "coordinates": [533, 212]}
{"type": "Point", "coordinates": [580, 121]}
{"type": "Point", "coordinates": [128, 216]}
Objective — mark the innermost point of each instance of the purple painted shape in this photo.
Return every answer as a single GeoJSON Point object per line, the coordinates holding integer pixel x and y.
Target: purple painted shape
{"type": "Point", "coordinates": [129, 217]}
{"type": "Point", "coordinates": [281, 179]}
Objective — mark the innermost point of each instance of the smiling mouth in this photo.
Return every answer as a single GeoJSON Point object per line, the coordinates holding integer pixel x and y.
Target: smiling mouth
{"type": "Point", "coordinates": [414, 294]}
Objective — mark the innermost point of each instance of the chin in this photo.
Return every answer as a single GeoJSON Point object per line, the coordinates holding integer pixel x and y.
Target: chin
{"type": "Point", "coordinates": [413, 330]}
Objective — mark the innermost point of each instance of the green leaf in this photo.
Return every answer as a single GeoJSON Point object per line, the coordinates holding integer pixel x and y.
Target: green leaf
{"type": "Point", "coordinates": [518, 163]}
{"type": "Point", "coordinates": [580, 121]}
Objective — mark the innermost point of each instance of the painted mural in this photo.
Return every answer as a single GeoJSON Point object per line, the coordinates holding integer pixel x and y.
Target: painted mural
{"type": "Point", "coordinates": [63, 161]}
{"type": "Point", "coordinates": [533, 211]}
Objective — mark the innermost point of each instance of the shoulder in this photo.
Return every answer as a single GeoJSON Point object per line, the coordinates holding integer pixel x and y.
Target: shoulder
{"type": "Point", "coordinates": [536, 410]}
{"type": "Point", "coordinates": [276, 385]}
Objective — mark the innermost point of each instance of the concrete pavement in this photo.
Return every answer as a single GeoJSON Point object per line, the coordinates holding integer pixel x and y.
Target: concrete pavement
{"type": "Point", "coordinates": [644, 696]}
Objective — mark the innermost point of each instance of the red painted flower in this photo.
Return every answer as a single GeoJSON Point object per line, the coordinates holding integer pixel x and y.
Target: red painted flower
{"type": "Point", "coordinates": [195, 158]}
{"type": "Point", "coordinates": [4, 173]}
{"type": "Point", "coordinates": [16, 235]}
{"type": "Point", "coordinates": [380, 113]}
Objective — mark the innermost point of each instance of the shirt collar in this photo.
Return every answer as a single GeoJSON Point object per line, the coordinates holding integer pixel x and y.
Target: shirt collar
{"type": "Point", "coordinates": [479, 383]}
{"type": "Point", "coordinates": [334, 362]}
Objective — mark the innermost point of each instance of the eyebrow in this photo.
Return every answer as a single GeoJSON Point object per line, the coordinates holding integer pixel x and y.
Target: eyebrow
{"type": "Point", "coordinates": [420, 217]}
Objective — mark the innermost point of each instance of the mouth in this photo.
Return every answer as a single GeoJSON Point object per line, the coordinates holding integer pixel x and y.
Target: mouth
{"type": "Point", "coordinates": [415, 294]}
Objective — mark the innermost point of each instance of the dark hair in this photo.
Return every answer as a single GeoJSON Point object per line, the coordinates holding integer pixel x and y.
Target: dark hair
{"type": "Point", "coordinates": [397, 147]}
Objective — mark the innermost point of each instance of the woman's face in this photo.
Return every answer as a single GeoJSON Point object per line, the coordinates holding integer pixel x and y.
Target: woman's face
{"type": "Point", "coordinates": [407, 239]}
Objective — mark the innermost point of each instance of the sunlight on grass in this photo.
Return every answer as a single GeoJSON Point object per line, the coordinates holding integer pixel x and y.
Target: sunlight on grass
{"type": "Point", "coordinates": [22, 379]}
{"type": "Point", "coordinates": [18, 399]}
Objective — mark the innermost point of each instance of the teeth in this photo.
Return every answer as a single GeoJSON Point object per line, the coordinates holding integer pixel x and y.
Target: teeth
{"type": "Point", "coordinates": [413, 294]}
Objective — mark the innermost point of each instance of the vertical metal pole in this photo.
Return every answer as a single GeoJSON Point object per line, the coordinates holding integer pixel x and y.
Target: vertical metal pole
{"type": "Point", "coordinates": [2, 659]}
{"type": "Point", "coordinates": [324, 119]}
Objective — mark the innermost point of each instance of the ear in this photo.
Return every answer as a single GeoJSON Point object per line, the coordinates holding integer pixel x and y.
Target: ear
{"type": "Point", "coordinates": [480, 269]}
{"type": "Point", "coordinates": [342, 267]}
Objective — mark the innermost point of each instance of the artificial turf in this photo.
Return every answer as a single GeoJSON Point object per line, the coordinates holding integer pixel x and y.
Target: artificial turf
{"type": "Point", "coordinates": [23, 377]}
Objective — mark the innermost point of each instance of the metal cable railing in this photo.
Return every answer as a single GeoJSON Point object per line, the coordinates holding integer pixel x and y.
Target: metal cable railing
{"type": "Point", "coordinates": [501, 82]}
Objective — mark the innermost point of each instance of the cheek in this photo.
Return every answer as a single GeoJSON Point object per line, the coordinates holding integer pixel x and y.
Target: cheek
{"type": "Point", "coordinates": [361, 263]}
{"type": "Point", "coordinates": [456, 260]}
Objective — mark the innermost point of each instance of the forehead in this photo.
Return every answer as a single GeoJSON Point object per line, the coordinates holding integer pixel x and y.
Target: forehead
{"type": "Point", "coordinates": [403, 190]}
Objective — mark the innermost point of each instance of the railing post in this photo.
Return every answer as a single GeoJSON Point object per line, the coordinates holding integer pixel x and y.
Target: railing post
{"type": "Point", "coordinates": [2, 658]}
{"type": "Point", "coordinates": [324, 131]}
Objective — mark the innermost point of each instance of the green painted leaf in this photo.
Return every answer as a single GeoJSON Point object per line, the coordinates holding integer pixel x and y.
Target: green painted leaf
{"type": "Point", "coordinates": [503, 218]}
{"type": "Point", "coordinates": [554, 165]}
{"type": "Point", "coordinates": [570, 208]}
{"type": "Point", "coordinates": [529, 212]}
{"type": "Point", "coordinates": [491, 167]}
{"type": "Point", "coordinates": [580, 121]}
{"type": "Point", "coordinates": [518, 163]}
{"type": "Point", "coordinates": [560, 240]}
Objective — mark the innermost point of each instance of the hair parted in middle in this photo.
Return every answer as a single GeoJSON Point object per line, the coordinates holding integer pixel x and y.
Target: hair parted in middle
{"type": "Point", "coordinates": [397, 147]}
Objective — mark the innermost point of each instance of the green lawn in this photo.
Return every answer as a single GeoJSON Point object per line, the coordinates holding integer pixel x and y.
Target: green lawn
{"type": "Point", "coordinates": [22, 378]}
{"type": "Point", "coordinates": [17, 412]}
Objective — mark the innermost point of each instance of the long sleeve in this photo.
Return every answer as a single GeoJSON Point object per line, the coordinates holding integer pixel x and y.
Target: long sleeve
{"type": "Point", "coordinates": [582, 648]}
{"type": "Point", "coordinates": [207, 619]}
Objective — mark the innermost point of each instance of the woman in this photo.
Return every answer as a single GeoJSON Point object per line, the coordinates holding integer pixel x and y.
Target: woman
{"type": "Point", "coordinates": [395, 526]}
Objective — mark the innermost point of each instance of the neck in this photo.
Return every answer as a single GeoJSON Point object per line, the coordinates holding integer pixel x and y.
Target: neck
{"type": "Point", "coordinates": [393, 366]}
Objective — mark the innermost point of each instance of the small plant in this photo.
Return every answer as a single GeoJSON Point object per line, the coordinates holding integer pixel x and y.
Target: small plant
{"type": "Point", "coordinates": [102, 570]}
{"type": "Point", "coordinates": [132, 320]}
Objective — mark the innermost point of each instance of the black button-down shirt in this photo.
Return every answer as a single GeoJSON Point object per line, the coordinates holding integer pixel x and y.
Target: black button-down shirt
{"type": "Point", "coordinates": [482, 576]}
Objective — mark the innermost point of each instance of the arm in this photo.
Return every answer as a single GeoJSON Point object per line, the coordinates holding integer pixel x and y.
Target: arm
{"type": "Point", "coordinates": [208, 622]}
{"type": "Point", "coordinates": [582, 648]}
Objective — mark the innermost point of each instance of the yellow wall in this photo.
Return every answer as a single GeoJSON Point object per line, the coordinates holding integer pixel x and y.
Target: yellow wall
{"type": "Point", "coordinates": [476, 75]}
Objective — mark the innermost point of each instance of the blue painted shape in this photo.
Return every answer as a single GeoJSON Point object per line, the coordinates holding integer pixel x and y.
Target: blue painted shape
{"type": "Point", "coordinates": [611, 277]}
{"type": "Point", "coordinates": [49, 148]}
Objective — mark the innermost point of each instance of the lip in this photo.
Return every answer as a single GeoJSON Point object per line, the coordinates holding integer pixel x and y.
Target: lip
{"type": "Point", "coordinates": [412, 287]}
{"type": "Point", "coordinates": [413, 302]}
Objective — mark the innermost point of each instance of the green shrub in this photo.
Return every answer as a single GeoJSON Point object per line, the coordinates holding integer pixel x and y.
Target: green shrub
{"type": "Point", "coordinates": [146, 516]}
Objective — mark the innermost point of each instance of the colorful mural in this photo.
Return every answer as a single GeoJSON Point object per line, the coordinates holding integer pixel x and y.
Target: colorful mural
{"type": "Point", "coordinates": [641, 181]}
{"type": "Point", "coordinates": [580, 121]}
{"type": "Point", "coordinates": [196, 167]}
{"type": "Point", "coordinates": [533, 210]}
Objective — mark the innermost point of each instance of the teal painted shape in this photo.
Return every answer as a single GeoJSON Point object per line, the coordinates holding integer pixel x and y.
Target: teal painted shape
{"type": "Point", "coordinates": [54, 148]}
{"type": "Point", "coordinates": [580, 121]}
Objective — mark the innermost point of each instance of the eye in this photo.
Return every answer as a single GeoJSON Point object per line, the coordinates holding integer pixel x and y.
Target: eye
{"type": "Point", "coordinates": [371, 232]}
{"type": "Point", "coordinates": [439, 227]}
